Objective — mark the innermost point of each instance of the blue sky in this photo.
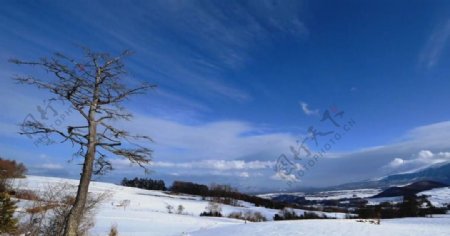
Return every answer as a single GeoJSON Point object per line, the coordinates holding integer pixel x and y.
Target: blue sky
{"type": "Point", "coordinates": [239, 82]}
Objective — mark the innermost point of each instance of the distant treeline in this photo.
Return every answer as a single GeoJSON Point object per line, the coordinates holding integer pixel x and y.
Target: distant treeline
{"type": "Point", "coordinates": [222, 193]}
{"type": "Point", "coordinates": [289, 214]}
{"type": "Point", "coordinates": [217, 192]}
{"type": "Point", "coordinates": [11, 169]}
{"type": "Point", "coordinates": [412, 206]}
{"type": "Point", "coordinates": [148, 184]}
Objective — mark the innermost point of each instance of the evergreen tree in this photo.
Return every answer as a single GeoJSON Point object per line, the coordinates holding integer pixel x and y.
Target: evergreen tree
{"type": "Point", "coordinates": [8, 224]}
{"type": "Point", "coordinates": [409, 207]}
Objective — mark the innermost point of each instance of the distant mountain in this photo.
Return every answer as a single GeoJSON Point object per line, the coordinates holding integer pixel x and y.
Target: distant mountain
{"type": "Point", "coordinates": [410, 189]}
{"type": "Point", "coordinates": [438, 173]}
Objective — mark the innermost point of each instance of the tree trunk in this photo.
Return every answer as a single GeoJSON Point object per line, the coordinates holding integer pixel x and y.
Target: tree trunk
{"type": "Point", "coordinates": [76, 213]}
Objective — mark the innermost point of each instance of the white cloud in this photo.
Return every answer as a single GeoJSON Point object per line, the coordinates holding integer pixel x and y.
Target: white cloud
{"type": "Point", "coordinates": [425, 154]}
{"type": "Point", "coordinates": [396, 163]}
{"type": "Point", "coordinates": [280, 176]}
{"type": "Point", "coordinates": [373, 162]}
{"type": "Point", "coordinates": [422, 159]}
{"type": "Point", "coordinates": [244, 175]}
{"type": "Point", "coordinates": [217, 165]}
{"type": "Point", "coordinates": [220, 148]}
{"type": "Point", "coordinates": [51, 166]}
{"type": "Point", "coordinates": [307, 110]}
{"type": "Point", "coordinates": [223, 140]}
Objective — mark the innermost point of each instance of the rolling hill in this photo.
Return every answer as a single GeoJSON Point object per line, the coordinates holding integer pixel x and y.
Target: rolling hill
{"type": "Point", "coordinates": [410, 189]}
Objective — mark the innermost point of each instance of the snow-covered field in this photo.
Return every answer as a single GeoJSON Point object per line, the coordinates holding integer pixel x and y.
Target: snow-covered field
{"type": "Point", "coordinates": [330, 195]}
{"type": "Point", "coordinates": [379, 200]}
{"type": "Point", "coordinates": [438, 197]}
{"type": "Point", "coordinates": [439, 226]}
{"type": "Point", "coordinates": [147, 215]}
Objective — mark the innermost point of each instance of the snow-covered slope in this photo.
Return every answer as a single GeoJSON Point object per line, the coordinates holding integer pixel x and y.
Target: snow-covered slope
{"type": "Point", "coordinates": [398, 227]}
{"type": "Point", "coordinates": [147, 210]}
{"type": "Point", "coordinates": [147, 215]}
{"type": "Point", "coordinates": [438, 197]}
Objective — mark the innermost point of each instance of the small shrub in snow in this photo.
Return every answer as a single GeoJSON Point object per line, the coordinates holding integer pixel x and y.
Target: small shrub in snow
{"type": "Point", "coordinates": [213, 209]}
{"type": "Point", "coordinates": [41, 208]}
{"type": "Point", "coordinates": [47, 216]}
{"type": "Point", "coordinates": [169, 208]}
{"type": "Point", "coordinates": [213, 214]}
{"type": "Point", "coordinates": [113, 231]}
{"type": "Point", "coordinates": [236, 215]}
{"type": "Point", "coordinates": [257, 217]}
{"type": "Point", "coordinates": [26, 195]}
{"type": "Point", "coordinates": [180, 209]}
{"type": "Point", "coordinates": [124, 203]}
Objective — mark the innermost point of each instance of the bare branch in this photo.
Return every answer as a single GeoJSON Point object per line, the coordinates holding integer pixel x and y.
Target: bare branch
{"type": "Point", "coordinates": [33, 127]}
{"type": "Point", "coordinates": [102, 166]}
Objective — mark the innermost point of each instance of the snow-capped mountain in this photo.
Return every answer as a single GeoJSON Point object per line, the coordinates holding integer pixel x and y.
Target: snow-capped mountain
{"type": "Point", "coordinates": [438, 173]}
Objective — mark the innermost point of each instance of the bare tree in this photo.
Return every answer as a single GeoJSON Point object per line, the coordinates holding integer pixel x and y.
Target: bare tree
{"type": "Point", "coordinates": [95, 87]}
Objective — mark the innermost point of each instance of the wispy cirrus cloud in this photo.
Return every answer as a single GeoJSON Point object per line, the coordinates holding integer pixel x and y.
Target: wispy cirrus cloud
{"type": "Point", "coordinates": [179, 44]}
{"type": "Point", "coordinates": [436, 44]}
{"type": "Point", "coordinates": [307, 110]}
